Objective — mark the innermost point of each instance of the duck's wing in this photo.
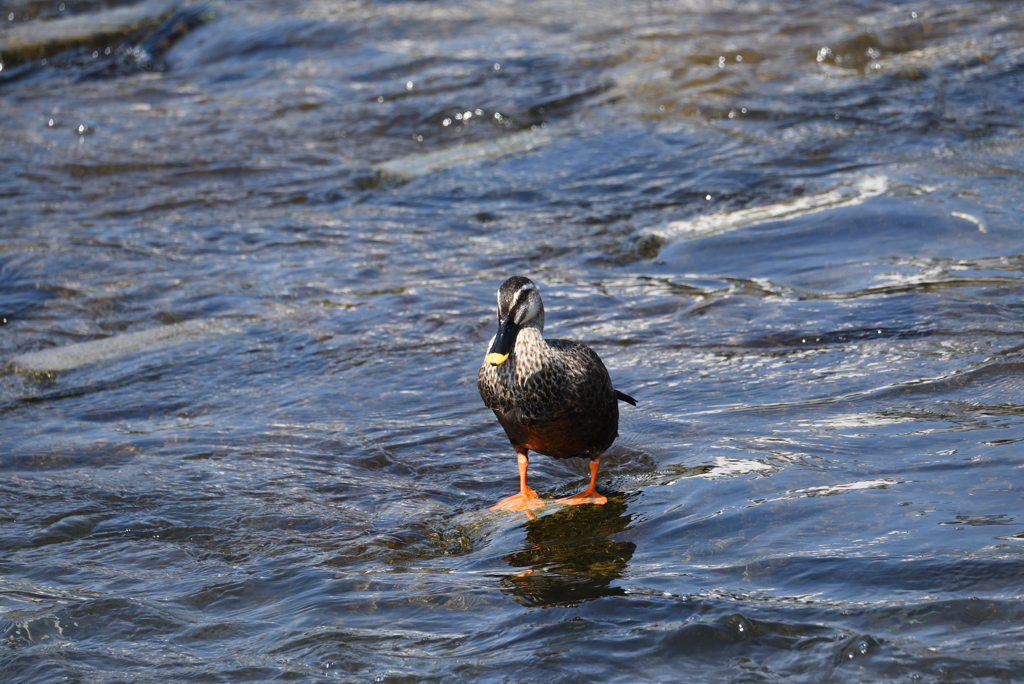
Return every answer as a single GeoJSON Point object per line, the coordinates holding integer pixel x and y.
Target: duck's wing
{"type": "Point", "coordinates": [587, 378]}
{"type": "Point", "coordinates": [590, 367]}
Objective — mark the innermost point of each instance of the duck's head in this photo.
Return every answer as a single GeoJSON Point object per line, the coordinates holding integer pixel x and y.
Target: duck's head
{"type": "Point", "coordinates": [519, 306]}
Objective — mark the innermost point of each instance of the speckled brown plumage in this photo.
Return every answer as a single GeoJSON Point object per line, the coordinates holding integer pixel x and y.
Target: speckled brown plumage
{"type": "Point", "coordinates": [551, 396]}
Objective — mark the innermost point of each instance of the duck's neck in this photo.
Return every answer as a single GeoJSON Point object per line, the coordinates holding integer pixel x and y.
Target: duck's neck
{"type": "Point", "coordinates": [531, 350]}
{"type": "Point", "coordinates": [530, 336]}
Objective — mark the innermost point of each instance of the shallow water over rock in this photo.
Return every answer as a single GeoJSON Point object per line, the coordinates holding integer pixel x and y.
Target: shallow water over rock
{"type": "Point", "coordinates": [792, 230]}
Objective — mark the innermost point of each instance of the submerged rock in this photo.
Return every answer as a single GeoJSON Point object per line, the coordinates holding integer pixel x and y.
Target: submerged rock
{"type": "Point", "coordinates": [34, 39]}
{"type": "Point", "coordinates": [108, 40]}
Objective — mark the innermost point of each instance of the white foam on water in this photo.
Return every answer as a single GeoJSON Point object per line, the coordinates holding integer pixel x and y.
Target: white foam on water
{"type": "Point", "coordinates": [980, 222]}
{"type": "Point", "coordinates": [83, 353]}
{"type": "Point", "coordinates": [416, 165]}
{"type": "Point", "coordinates": [846, 195]}
{"type": "Point", "coordinates": [878, 483]}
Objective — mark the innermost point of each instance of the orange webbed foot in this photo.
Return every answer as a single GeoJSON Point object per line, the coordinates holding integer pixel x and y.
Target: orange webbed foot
{"type": "Point", "coordinates": [587, 496]}
{"type": "Point", "coordinates": [523, 501]}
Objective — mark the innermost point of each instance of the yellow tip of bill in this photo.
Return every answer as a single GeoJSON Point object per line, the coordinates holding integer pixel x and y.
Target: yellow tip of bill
{"type": "Point", "coordinates": [496, 359]}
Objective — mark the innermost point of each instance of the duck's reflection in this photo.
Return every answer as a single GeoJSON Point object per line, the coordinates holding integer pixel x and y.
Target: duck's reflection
{"type": "Point", "coordinates": [568, 556]}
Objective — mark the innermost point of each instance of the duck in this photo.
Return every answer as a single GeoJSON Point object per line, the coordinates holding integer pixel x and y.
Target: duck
{"type": "Point", "coordinates": [554, 397]}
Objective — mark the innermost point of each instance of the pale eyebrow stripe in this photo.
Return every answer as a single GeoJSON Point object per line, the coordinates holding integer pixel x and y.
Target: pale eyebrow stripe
{"type": "Point", "coordinates": [524, 288]}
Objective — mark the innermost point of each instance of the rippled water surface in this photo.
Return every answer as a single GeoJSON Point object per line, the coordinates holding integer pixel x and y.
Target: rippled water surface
{"type": "Point", "coordinates": [792, 230]}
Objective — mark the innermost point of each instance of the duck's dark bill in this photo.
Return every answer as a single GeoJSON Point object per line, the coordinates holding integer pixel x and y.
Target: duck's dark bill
{"type": "Point", "coordinates": [504, 341]}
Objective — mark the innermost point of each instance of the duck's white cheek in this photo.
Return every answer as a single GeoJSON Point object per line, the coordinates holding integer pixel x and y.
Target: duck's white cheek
{"type": "Point", "coordinates": [530, 313]}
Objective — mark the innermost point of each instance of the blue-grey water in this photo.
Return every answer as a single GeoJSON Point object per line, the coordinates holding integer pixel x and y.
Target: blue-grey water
{"type": "Point", "coordinates": [793, 230]}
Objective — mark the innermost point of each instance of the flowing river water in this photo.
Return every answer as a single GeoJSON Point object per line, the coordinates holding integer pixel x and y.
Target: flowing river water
{"type": "Point", "coordinates": [248, 260]}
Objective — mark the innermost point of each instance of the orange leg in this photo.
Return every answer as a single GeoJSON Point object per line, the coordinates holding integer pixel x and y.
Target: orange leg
{"type": "Point", "coordinates": [526, 498]}
{"type": "Point", "coordinates": [590, 494]}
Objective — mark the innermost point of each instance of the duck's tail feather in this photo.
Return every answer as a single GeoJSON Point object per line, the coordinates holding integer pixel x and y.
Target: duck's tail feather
{"type": "Point", "coordinates": [625, 397]}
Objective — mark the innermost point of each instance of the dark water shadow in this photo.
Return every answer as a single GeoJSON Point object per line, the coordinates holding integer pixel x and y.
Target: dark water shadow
{"type": "Point", "coordinates": [568, 556]}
